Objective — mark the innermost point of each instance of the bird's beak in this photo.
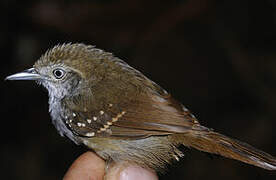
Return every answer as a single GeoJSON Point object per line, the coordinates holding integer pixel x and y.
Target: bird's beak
{"type": "Point", "coordinates": [29, 74]}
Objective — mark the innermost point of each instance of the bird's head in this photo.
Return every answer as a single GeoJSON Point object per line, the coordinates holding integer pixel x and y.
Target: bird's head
{"type": "Point", "coordinates": [66, 68]}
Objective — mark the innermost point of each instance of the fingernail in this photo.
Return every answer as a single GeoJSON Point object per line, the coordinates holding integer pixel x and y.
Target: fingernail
{"type": "Point", "coordinates": [137, 173]}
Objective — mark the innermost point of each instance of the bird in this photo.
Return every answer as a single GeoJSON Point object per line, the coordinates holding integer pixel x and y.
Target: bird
{"type": "Point", "coordinates": [98, 100]}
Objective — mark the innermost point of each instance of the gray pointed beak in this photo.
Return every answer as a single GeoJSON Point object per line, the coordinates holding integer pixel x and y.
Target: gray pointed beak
{"type": "Point", "coordinates": [29, 74]}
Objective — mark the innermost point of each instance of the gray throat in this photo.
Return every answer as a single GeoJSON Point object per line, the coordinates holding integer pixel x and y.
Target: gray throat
{"type": "Point", "coordinates": [58, 116]}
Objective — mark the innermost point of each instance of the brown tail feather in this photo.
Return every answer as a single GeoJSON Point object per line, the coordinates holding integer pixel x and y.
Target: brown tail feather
{"type": "Point", "coordinates": [216, 143]}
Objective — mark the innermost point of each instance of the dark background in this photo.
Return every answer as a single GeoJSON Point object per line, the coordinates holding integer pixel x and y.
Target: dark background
{"type": "Point", "coordinates": [217, 57]}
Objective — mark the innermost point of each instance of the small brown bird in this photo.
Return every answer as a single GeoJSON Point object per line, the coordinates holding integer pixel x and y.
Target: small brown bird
{"type": "Point", "coordinates": [98, 100]}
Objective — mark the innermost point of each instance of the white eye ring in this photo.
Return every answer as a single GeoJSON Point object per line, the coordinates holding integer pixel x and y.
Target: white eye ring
{"type": "Point", "coordinates": [58, 73]}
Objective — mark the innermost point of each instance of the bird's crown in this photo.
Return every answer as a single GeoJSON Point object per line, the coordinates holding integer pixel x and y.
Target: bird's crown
{"type": "Point", "coordinates": [78, 56]}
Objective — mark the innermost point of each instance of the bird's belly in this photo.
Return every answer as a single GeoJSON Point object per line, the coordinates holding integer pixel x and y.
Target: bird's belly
{"type": "Point", "coordinates": [152, 152]}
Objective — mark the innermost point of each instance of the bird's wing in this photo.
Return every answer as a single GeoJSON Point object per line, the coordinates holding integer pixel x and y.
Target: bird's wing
{"type": "Point", "coordinates": [148, 115]}
{"type": "Point", "coordinates": [156, 115]}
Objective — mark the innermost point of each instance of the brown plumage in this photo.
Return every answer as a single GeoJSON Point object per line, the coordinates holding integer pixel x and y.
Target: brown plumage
{"type": "Point", "coordinates": [100, 101]}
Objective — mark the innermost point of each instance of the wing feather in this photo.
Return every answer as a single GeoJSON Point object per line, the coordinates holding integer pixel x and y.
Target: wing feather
{"type": "Point", "coordinates": [146, 114]}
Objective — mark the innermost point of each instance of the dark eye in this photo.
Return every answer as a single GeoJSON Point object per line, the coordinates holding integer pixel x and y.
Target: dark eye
{"type": "Point", "coordinates": [58, 73]}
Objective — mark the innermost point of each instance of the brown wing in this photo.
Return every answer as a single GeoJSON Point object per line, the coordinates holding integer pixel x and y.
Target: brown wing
{"type": "Point", "coordinates": [149, 114]}
{"type": "Point", "coordinates": [157, 114]}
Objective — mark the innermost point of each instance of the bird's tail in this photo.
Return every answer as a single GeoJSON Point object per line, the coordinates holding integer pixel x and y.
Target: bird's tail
{"type": "Point", "coordinates": [212, 142]}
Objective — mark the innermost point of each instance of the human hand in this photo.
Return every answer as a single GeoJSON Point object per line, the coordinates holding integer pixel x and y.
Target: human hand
{"type": "Point", "coordinates": [91, 167]}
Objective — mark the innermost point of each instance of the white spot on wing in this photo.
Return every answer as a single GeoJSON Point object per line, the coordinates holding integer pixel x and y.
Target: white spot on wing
{"type": "Point", "coordinates": [90, 134]}
{"type": "Point", "coordinates": [176, 157]}
{"type": "Point", "coordinates": [106, 126]}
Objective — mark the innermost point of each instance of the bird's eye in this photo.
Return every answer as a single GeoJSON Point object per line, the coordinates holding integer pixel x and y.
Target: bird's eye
{"type": "Point", "coordinates": [58, 73]}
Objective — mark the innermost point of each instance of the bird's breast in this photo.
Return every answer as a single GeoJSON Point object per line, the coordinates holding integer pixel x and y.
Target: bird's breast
{"type": "Point", "coordinates": [58, 114]}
